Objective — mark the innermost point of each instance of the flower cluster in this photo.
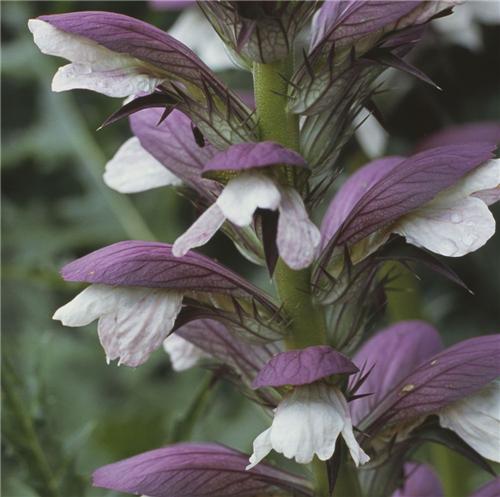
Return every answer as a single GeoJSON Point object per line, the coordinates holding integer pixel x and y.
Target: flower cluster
{"type": "Point", "coordinates": [361, 404]}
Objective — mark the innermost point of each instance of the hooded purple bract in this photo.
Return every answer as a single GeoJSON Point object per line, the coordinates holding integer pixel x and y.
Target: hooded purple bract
{"type": "Point", "coordinates": [301, 367]}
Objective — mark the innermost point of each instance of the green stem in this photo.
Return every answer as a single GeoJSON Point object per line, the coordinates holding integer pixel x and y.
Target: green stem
{"type": "Point", "coordinates": [276, 124]}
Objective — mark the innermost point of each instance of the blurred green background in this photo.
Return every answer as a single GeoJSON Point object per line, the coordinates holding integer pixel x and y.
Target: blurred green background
{"type": "Point", "coordinates": [65, 411]}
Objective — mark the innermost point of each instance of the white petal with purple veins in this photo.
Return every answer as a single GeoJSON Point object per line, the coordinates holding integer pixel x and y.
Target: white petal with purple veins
{"type": "Point", "coordinates": [243, 195]}
{"type": "Point", "coordinates": [202, 230]}
{"type": "Point", "coordinates": [133, 169]}
{"type": "Point", "coordinates": [298, 238]}
{"type": "Point", "coordinates": [183, 354]}
{"type": "Point", "coordinates": [94, 67]}
{"type": "Point", "coordinates": [133, 321]}
{"type": "Point", "coordinates": [448, 227]}
{"type": "Point", "coordinates": [307, 422]}
{"type": "Point", "coordinates": [476, 419]}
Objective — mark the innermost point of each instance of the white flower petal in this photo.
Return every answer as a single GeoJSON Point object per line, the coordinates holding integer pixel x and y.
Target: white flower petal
{"type": "Point", "coordinates": [261, 447]}
{"type": "Point", "coordinates": [133, 169]}
{"type": "Point", "coordinates": [243, 195]}
{"type": "Point", "coordinates": [298, 238]}
{"type": "Point", "coordinates": [200, 231]}
{"type": "Point", "coordinates": [485, 177]}
{"type": "Point", "coordinates": [94, 66]}
{"type": "Point", "coordinates": [308, 422]}
{"type": "Point", "coordinates": [133, 321]}
{"type": "Point", "coordinates": [87, 306]}
{"type": "Point", "coordinates": [476, 419]}
{"type": "Point", "coordinates": [448, 227]}
{"type": "Point", "coordinates": [183, 354]}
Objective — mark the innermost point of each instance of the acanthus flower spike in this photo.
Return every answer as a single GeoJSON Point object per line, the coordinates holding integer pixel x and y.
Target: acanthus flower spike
{"type": "Point", "coordinates": [310, 418]}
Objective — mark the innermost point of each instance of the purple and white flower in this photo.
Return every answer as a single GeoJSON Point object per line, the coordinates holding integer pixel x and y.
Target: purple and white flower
{"type": "Point", "coordinates": [253, 188]}
{"type": "Point", "coordinates": [309, 419]}
{"type": "Point", "coordinates": [136, 292]}
{"type": "Point", "coordinates": [458, 384]}
{"type": "Point", "coordinates": [437, 199]}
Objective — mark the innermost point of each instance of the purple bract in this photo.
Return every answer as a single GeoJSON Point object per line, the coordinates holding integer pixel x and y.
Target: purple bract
{"type": "Point", "coordinates": [194, 470]}
{"type": "Point", "coordinates": [300, 367]}
{"type": "Point", "coordinates": [252, 155]}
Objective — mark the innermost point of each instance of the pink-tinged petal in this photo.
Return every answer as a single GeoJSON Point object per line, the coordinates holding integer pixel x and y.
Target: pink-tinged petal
{"type": "Point", "coordinates": [140, 322]}
{"type": "Point", "coordinates": [442, 379]}
{"type": "Point", "coordinates": [420, 481]}
{"type": "Point", "coordinates": [172, 143]}
{"type": "Point", "coordinates": [246, 193]}
{"type": "Point", "coordinates": [133, 322]}
{"type": "Point", "coordinates": [133, 169]}
{"type": "Point", "coordinates": [304, 366]}
{"type": "Point", "coordinates": [490, 196]}
{"type": "Point", "coordinates": [491, 489]}
{"type": "Point", "coordinates": [298, 238]}
{"type": "Point", "coordinates": [217, 341]}
{"type": "Point", "coordinates": [407, 344]}
{"type": "Point", "coordinates": [152, 265]}
{"type": "Point", "coordinates": [405, 187]}
{"type": "Point", "coordinates": [244, 156]}
{"type": "Point", "coordinates": [195, 470]}
{"type": "Point", "coordinates": [200, 232]}
{"type": "Point", "coordinates": [466, 133]}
